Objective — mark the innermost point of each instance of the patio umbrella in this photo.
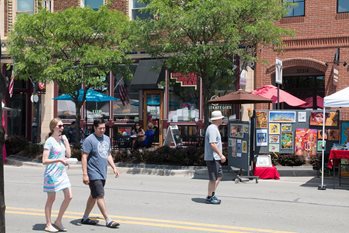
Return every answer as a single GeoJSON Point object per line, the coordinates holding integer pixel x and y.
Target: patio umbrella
{"type": "Point", "coordinates": [240, 97]}
{"type": "Point", "coordinates": [91, 96]}
{"type": "Point", "coordinates": [270, 92]}
{"type": "Point", "coordinates": [309, 102]}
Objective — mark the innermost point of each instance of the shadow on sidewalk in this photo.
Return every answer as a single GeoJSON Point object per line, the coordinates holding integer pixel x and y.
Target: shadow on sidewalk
{"type": "Point", "coordinates": [329, 182]}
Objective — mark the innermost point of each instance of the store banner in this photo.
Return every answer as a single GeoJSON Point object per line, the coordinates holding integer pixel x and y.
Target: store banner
{"type": "Point", "coordinates": [186, 80]}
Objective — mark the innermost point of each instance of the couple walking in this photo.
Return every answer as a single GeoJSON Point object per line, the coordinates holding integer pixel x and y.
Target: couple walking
{"type": "Point", "coordinates": [95, 159]}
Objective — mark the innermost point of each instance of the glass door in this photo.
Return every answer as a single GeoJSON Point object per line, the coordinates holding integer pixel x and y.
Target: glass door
{"type": "Point", "coordinates": [153, 107]}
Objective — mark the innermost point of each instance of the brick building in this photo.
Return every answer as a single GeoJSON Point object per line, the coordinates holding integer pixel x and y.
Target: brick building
{"type": "Point", "coordinates": [314, 65]}
{"type": "Point", "coordinates": [155, 100]}
{"type": "Point", "coordinates": [315, 59]}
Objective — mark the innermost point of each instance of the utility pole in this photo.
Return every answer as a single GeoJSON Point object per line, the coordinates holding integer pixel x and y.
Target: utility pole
{"type": "Point", "coordinates": [2, 143]}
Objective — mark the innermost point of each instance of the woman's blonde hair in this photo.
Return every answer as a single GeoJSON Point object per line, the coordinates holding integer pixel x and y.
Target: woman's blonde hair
{"type": "Point", "coordinates": [53, 124]}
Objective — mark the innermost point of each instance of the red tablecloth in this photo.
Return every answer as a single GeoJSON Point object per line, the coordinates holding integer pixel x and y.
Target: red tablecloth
{"type": "Point", "coordinates": [267, 173]}
{"type": "Point", "coordinates": [337, 154]}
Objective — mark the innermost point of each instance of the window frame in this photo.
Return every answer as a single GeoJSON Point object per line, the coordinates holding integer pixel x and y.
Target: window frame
{"type": "Point", "coordinates": [25, 12]}
{"type": "Point", "coordinates": [340, 12]}
{"type": "Point", "coordinates": [48, 5]}
{"type": "Point", "coordinates": [132, 8]}
{"type": "Point", "coordinates": [84, 5]}
{"type": "Point", "coordinates": [293, 15]}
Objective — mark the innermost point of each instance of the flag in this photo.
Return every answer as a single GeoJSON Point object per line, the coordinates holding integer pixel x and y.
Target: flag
{"type": "Point", "coordinates": [11, 84]}
{"type": "Point", "coordinates": [123, 94]}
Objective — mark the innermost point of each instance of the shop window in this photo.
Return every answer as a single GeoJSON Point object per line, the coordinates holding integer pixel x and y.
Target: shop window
{"type": "Point", "coordinates": [66, 109]}
{"type": "Point", "coordinates": [25, 6]}
{"type": "Point", "coordinates": [297, 8]}
{"type": "Point", "coordinates": [342, 6]}
{"type": "Point", "coordinates": [94, 4]}
{"type": "Point", "coordinates": [126, 108]}
{"type": "Point", "coordinates": [98, 110]}
{"type": "Point", "coordinates": [183, 102]}
{"type": "Point", "coordinates": [137, 10]}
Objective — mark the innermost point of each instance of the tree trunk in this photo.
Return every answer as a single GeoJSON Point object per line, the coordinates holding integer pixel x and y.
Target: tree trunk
{"type": "Point", "coordinates": [207, 96]}
{"type": "Point", "coordinates": [77, 125]}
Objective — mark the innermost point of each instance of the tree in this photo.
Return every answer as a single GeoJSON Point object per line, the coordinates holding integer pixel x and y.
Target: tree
{"type": "Point", "coordinates": [74, 47]}
{"type": "Point", "coordinates": [205, 36]}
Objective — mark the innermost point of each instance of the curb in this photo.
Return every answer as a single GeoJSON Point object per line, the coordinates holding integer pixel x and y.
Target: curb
{"type": "Point", "coordinates": [199, 172]}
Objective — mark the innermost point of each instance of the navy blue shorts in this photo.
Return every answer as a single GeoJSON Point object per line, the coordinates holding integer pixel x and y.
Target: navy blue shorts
{"type": "Point", "coordinates": [97, 188]}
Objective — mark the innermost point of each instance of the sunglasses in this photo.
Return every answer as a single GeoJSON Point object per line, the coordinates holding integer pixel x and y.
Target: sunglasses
{"type": "Point", "coordinates": [60, 126]}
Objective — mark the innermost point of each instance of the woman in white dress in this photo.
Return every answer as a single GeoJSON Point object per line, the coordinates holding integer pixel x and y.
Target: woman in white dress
{"type": "Point", "coordinates": [55, 155]}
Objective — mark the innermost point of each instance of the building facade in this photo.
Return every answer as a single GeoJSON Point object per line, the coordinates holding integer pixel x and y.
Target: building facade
{"type": "Point", "coordinates": [315, 59]}
{"type": "Point", "coordinates": [154, 94]}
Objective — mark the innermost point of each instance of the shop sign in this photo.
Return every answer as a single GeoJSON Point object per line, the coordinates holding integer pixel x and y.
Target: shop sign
{"type": "Point", "coordinates": [186, 80]}
{"type": "Point", "coordinates": [335, 76]}
{"type": "Point", "coordinates": [220, 107]}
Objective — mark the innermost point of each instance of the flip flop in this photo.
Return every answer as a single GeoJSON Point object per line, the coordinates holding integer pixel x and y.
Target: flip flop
{"type": "Point", "coordinates": [51, 229]}
{"type": "Point", "coordinates": [89, 221]}
{"type": "Point", "coordinates": [60, 229]}
{"type": "Point", "coordinates": [113, 224]}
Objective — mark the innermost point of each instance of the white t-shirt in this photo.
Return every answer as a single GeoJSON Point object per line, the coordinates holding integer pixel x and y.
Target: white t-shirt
{"type": "Point", "coordinates": [212, 136]}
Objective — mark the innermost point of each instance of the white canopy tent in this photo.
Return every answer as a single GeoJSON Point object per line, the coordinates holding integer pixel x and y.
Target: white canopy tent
{"type": "Point", "coordinates": [337, 99]}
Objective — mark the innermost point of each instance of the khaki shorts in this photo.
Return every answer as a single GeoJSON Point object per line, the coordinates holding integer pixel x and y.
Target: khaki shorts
{"type": "Point", "coordinates": [214, 168]}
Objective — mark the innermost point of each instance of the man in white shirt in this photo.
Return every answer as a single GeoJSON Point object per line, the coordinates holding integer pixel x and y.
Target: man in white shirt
{"type": "Point", "coordinates": [214, 156]}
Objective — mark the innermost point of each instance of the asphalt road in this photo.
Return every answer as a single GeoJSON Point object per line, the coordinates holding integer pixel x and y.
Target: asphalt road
{"type": "Point", "coordinates": [149, 203]}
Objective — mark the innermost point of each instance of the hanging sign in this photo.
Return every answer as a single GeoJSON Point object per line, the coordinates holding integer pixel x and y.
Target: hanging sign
{"type": "Point", "coordinates": [335, 76]}
{"type": "Point", "coordinates": [278, 71]}
{"type": "Point", "coordinates": [186, 80]}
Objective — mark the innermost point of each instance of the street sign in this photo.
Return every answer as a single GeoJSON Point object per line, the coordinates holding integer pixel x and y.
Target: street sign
{"type": "Point", "coordinates": [278, 71]}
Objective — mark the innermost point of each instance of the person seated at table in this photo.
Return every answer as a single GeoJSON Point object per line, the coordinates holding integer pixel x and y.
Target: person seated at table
{"type": "Point", "coordinates": [149, 136]}
{"type": "Point", "coordinates": [137, 135]}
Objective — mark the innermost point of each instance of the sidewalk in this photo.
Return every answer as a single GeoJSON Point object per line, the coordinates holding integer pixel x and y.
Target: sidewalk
{"type": "Point", "coordinates": [168, 170]}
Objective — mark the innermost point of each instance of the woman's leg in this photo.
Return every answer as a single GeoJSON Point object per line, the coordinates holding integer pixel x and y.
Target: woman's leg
{"type": "Point", "coordinates": [67, 198]}
{"type": "Point", "coordinates": [51, 196]}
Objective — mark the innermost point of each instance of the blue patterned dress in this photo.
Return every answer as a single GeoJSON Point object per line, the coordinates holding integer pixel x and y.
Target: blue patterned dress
{"type": "Point", "coordinates": [55, 176]}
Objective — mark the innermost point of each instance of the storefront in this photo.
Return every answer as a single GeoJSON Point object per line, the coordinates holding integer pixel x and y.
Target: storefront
{"type": "Point", "coordinates": [22, 109]}
{"type": "Point", "coordinates": [154, 95]}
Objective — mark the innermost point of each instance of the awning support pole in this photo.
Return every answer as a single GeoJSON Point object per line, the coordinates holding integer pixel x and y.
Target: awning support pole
{"type": "Point", "coordinates": [322, 186]}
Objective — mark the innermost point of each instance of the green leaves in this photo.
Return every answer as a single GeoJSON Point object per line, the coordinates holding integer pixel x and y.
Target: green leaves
{"type": "Point", "coordinates": [203, 36]}
{"type": "Point", "coordinates": [75, 45]}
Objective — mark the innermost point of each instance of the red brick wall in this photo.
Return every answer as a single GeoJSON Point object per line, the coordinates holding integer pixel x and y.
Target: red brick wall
{"type": "Point", "coordinates": [121, 5]}
{"type": "Point", "coordinates": [64, 4]}
{"type": "Point", "coordinates": [317, 35]}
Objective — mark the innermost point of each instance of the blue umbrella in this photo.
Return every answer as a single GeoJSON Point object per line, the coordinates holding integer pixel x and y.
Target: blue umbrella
{"type": "Point", "coordinates": [91, 96]}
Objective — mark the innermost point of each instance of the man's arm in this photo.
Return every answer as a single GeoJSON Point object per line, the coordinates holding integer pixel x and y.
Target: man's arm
{"type": "Point", "coordinates": [85, 178]}
{"type": "Point", "coordinates": [215, 149]}
{"type": "Point", "coordinates": [112, 164]}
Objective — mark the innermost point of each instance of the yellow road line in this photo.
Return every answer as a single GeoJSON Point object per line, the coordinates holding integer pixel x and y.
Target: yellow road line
{"type": "Point", "coordinates": [151, 222]}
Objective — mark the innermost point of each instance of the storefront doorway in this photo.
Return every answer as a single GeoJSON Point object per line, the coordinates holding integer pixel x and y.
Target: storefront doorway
{"type": "Point", "coordinates": [153, 112]}
{"type": "Point", "coordinates": [305, 83]}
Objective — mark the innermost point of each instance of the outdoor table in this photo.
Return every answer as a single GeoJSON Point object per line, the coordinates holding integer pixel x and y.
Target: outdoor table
{"type": "Point", "coordinates": [267, 173]}
{"type": "Point", "coordinates": [123, 142]}
{"type": "Point", "coordinates": [335, 159]}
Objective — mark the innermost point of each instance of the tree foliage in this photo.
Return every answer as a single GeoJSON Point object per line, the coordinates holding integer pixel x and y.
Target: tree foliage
{"type": "Point", "coordinates": [71, 47]}
{"type": "Point", "coordinates": [204, 36]}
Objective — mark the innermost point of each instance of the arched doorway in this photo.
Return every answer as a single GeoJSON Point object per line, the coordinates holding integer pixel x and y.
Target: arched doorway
{"type": "Point", "coordinates": [305, 79]}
